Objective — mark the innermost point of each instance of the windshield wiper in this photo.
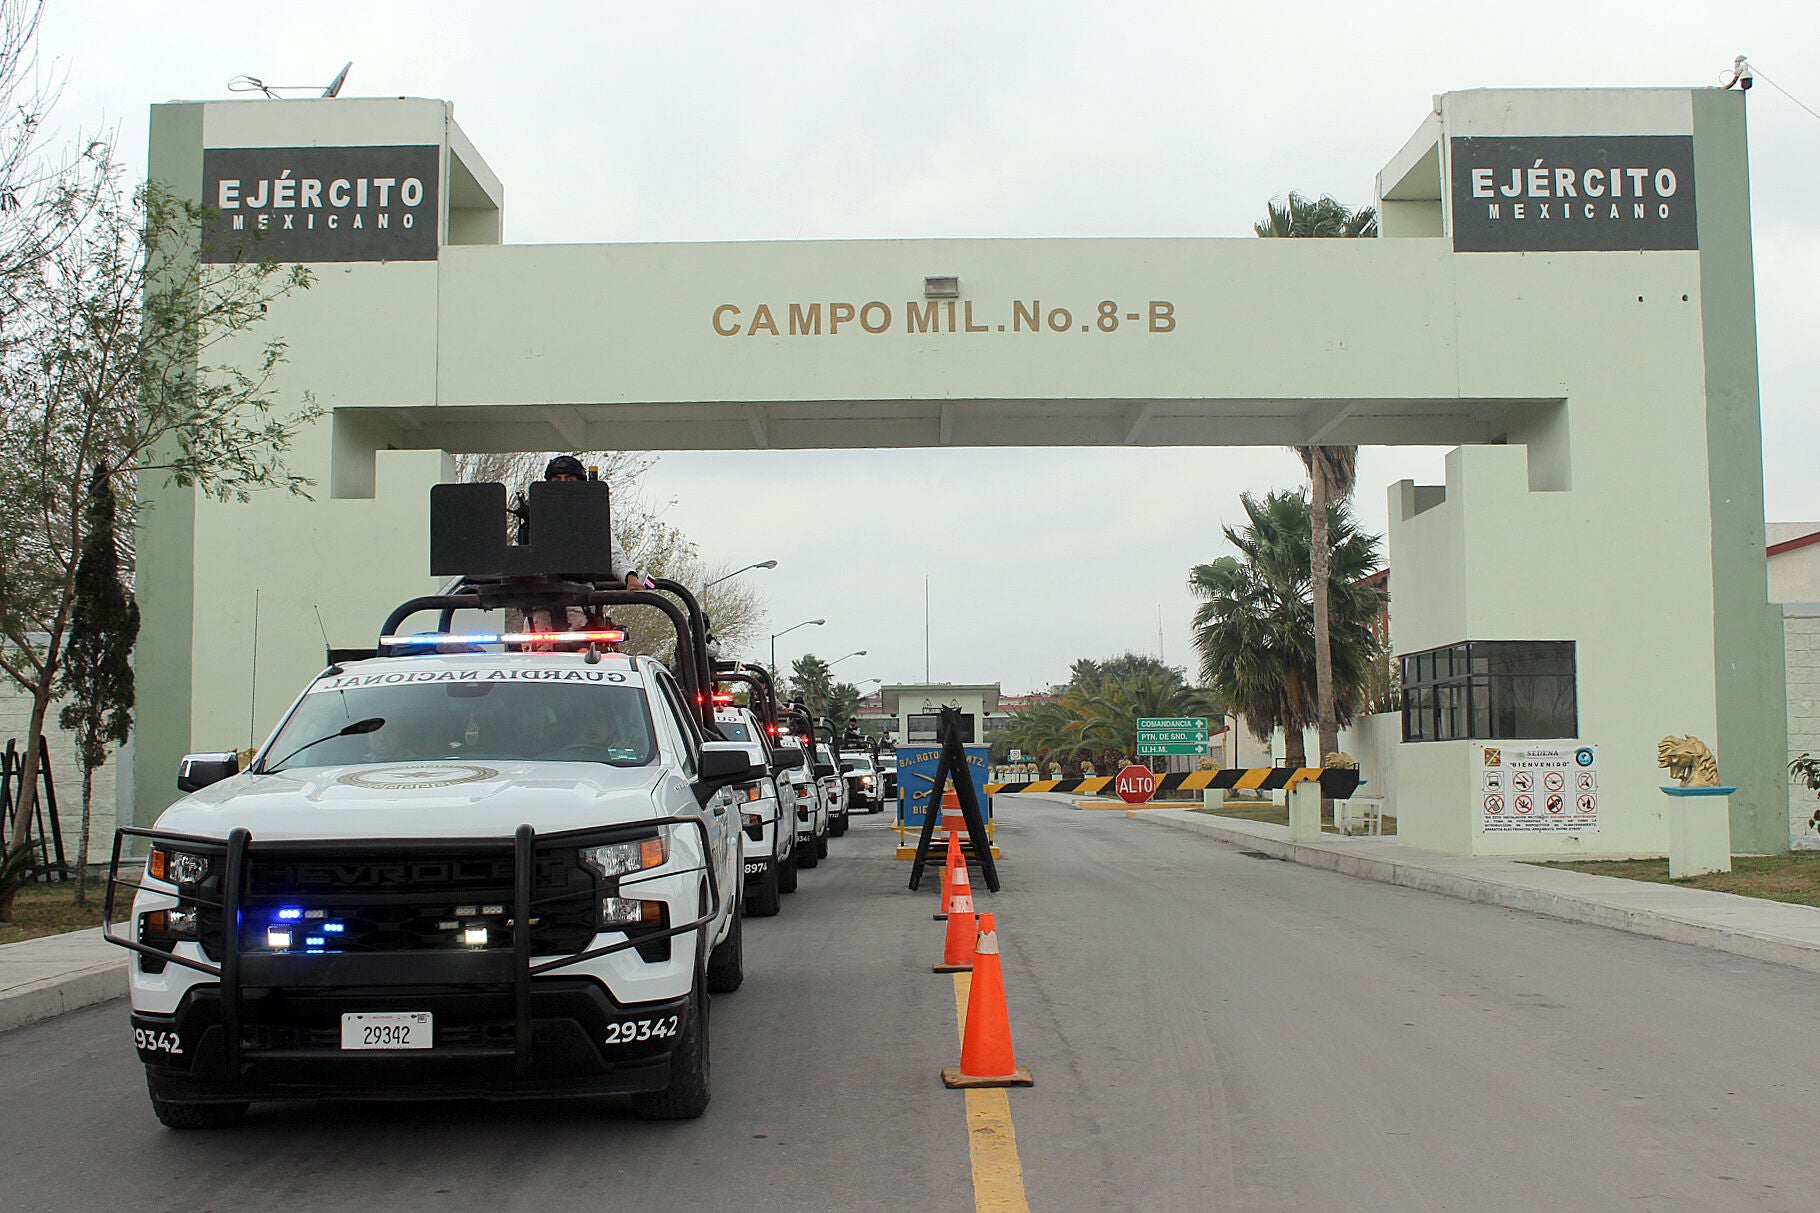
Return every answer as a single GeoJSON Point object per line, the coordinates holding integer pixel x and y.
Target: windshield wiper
{"type": "Point", "coordinates": [372, 724]}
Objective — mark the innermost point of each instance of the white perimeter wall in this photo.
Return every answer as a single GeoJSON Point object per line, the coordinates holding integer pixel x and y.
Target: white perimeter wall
{"type": "Point", "coordinates": [15, 716]}
{"type": "Point", "coordinates": [1801, 632]}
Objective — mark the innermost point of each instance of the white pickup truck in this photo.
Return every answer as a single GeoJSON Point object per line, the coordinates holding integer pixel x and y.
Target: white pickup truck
{"type": "Point", "coordinates": [770, 828]}
{"type": "Point", "coordinates": [463, 874]}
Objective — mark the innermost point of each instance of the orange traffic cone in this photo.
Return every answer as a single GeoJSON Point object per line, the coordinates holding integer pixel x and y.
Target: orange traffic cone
{"type": "Point", "coordinates": [957, 950]}
{"type": "Point", "coordinates": [986, 1058]}
{"type": "Point", "coordinates": [951, 861]}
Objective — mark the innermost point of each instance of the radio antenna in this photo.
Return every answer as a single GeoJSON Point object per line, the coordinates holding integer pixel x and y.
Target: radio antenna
{"type": "Point", "coordinates": [252, 711]}
{"type": "Point", "coordinates": [253, 84]}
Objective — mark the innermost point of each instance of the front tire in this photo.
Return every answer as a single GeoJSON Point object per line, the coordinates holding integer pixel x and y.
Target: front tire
{"type": "Point", "coordinates": [837, 825]}
{"type": "Point", "coordinates": [786, 872]}
{"type": "Point", "coordinates": [185, 1116]}
{"type": "Point", "coordinates": [765, 900]}
{"type": "Point", "coordinates": [821, 844]}
{"type": "Point", "coordinates": [727, 963]}
{"type": "Point", "coordinates": [686, 1098]}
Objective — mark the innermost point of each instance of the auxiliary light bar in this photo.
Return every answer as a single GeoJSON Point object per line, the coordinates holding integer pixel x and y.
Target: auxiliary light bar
{"type": "Point", "coordinates": [598, 636]}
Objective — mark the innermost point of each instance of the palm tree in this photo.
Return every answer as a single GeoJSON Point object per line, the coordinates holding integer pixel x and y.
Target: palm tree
{"type": "Point", "coordinates": [1332, 470]}
{"type": "Point", "coordinates": [1255, 628]}
{"type": "Point", "coordinates": [1095, 714]}
{"type": "Point", "coordinates": [1113, 709]}
{"type": "Point", "coordinates": [843, 706]}
{"type": "Point", "coordinates": [811, 682]}
{"type": "Point", "coordinates": [1301, 216]}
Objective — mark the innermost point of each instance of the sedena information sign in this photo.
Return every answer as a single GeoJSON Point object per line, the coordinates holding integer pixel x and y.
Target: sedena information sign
{"type": "Point", "coordinates": [1171, 735]}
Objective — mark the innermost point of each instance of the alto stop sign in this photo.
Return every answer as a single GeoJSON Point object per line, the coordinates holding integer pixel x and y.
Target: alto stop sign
{"type": "Point", "coordinates": [1135, 784]}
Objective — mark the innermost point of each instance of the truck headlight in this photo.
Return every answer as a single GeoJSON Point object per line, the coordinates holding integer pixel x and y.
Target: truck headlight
{"type": "Point", "coordinates": [180, 868]}
{"type": "Point", "coordinates": [624, 911]}
{"type": "Point", "coordinates": [161, 928]}
{"type": "Point", "coordinates": [865, 781]}
{"type": "Point", "coordinates": [619, 858]}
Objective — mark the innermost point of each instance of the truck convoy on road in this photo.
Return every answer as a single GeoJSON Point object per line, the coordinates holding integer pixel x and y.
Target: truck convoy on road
{"type": "Point", "coordinates": [501, 860]}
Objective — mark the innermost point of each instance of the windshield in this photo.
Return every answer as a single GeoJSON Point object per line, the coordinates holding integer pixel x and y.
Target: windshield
{"type": "Point", "coordinates": [858, 762]}
{"type": "Point", "coordinates": [733, 730]}
{"type": "Point", "coordinates": [500, 721]}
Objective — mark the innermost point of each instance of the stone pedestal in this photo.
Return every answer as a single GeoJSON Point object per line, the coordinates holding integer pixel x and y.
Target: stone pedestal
{"type": "Point", "coordinates": [1213, 798]}
{"type": "Point", "coordinates": [1699, 830]}
{"type": "Point", "coordinates": [1305, 811]}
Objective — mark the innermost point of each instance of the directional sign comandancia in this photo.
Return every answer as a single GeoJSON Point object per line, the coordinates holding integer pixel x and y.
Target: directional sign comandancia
{"type": "Point", "coordinates": [1171, 735]}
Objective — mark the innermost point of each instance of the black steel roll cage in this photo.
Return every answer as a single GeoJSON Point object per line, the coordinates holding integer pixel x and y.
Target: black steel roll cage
{"type": "Point", "coordinates": [524, 842]}
{"type": "Point", "coordinates": [764, 702]}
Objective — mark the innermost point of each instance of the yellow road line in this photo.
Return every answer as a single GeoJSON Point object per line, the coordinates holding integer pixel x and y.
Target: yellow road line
{"type": "Point", "coordinates": [998, 1176]}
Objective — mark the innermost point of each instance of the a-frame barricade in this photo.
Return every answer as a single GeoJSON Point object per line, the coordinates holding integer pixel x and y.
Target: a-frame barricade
{"type": "Point", "coordinates": [952, 766]}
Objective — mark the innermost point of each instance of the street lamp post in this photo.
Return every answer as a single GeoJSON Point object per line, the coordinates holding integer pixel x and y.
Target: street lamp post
{"type": "Point", "coordinates": [763, 564]}
{"type": "Point", "coordinates": [805, 623]}
{"type": "Point", "coordinates": [838, 660]}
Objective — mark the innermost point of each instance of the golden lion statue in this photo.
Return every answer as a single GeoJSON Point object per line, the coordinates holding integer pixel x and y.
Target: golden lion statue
{"type": "Point", "coordinates": [1340, 760]}
{"type": "Point", "coordinates": [1689, 761]}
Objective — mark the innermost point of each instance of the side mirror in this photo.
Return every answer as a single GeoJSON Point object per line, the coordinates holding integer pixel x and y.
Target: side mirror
{"type": "Point", "coordinates": [847, 768]}
{"type": "Point", "coordinates": [198, 771]}
{"type": "Point", "coordinates": [823, 770]}
{"type": "Point", "coordinates": [788, 758]}
{"type": "Point", "coordinates": [724, 762]}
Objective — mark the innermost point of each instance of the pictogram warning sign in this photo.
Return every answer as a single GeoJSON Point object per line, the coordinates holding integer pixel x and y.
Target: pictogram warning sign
{"type": "Point", "coordinates": [1550, 788]}
{"type": "Point", "coordinates": [1494, 803]}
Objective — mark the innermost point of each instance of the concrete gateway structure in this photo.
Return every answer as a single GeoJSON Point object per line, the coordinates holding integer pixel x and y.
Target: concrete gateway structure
{"type": "Point", "coordinates": [1563, 289]}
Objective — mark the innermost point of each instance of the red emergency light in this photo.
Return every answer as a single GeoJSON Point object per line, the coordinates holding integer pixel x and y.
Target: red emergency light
{"type": "Point", "coordinates": [597, 636]}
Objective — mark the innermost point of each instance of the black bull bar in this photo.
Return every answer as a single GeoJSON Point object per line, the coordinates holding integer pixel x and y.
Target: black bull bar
{"type": "Point", "coordinates": [393, 968]}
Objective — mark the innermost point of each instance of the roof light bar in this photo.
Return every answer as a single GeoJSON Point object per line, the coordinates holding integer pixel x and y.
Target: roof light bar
{"type": "Point", "coordinates": [597, 636]}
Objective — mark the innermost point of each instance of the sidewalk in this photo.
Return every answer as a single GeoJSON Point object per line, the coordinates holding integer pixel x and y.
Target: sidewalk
{"type": "Point", "coordinates": [1766, 930]}
{"type": "Point", "coordinates": [43, 977]}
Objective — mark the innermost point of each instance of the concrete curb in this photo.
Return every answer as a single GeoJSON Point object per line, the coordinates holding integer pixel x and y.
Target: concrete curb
{"type": "Point", "coordinates": [46, 977]}
{"type": "Point", "coordinates": [57, 995]}
{"type": "Point", "coordinates": [1763, 930]}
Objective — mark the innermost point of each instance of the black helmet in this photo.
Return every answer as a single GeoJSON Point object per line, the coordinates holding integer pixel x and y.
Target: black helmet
{"type": "Point", "coordinates": [565, 465]}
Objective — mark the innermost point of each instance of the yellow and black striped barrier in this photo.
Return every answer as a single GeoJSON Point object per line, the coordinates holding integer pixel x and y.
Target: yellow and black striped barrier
{"type": "Point", "coordinates": [1336, 784]}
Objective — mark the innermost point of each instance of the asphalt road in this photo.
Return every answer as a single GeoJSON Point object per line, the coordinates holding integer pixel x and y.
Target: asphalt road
{"type": "Point", "coordinates": [1208, 1031]}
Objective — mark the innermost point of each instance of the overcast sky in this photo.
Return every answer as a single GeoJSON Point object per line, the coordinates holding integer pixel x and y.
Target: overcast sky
{"type": "Point", "coordinates": [699, 122]}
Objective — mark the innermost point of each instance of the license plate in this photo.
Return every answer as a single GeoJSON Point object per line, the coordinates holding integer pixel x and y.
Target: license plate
{"type": "Point", "coordinates": [394, 1030]}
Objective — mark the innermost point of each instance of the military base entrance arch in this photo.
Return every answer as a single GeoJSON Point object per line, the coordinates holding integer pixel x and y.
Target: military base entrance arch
{"type": "Point", "coordinates": [1562, 288]}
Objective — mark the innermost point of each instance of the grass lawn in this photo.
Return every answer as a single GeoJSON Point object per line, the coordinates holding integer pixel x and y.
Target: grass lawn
{"type": "Point", "coordinates": [1276, 814]}
{"type": "Point", "coordinates": [1794, 877]}
{"type": "Point", "coordinates": [46, 909]}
